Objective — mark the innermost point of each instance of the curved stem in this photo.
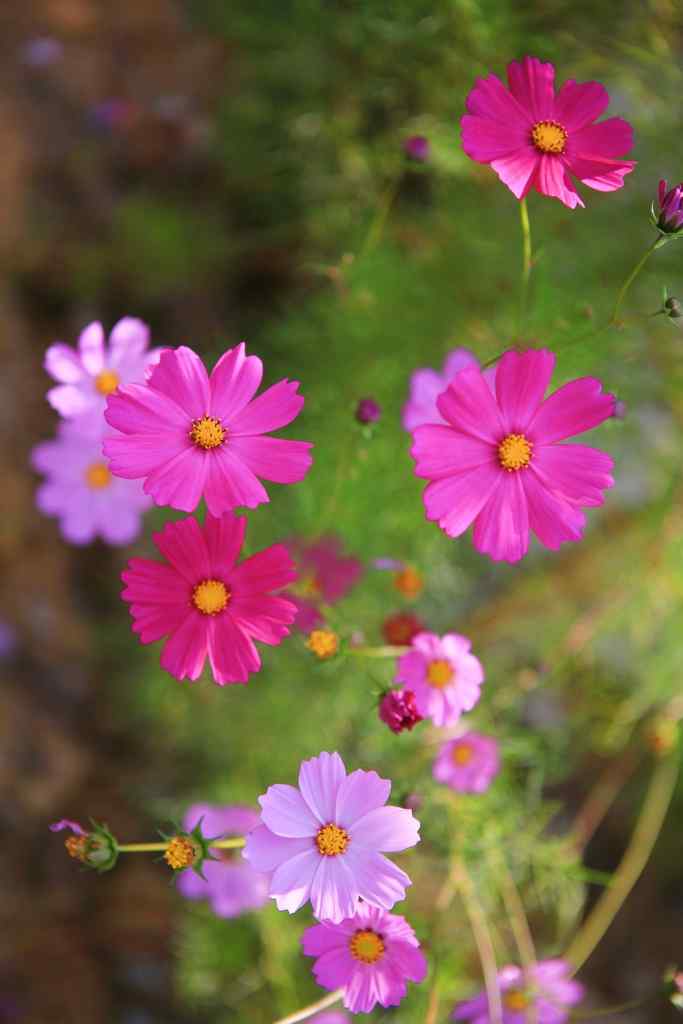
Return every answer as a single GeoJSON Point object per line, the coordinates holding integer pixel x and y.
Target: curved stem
{"type": "Point", "coordinates": [376, 229]}
{"type": "Point", "coordinates": [601, 797]}
{"type": "Point", "coordinates": [308, 1011]}
{"type": "Point", "coordinates": [658, 242]}
{"type": "Point", "coordinates": [520, 926]}
{"type": "Point", "coordinates": [482, 938]}
{"type": "Point", "coordinates": [633, 862]}
{"type": "Point", "coordinates": [526, 262]}
{"type": "Point", "coordinates": [220, 844]}
{"type": "Point", "coordinates": [607, 1011]}
{"type": "Point", "coordinates": [377, 652]}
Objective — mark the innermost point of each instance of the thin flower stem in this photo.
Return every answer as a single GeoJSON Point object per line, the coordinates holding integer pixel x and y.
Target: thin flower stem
{"type": "Point", "coordinates": [601, 797]}
{"type": "Point", "coordinates": [308, 1011]}
{"type": "Point", "coordinates": [377, 652]}
{"type": "Point", "coordinates": [648, 827]}
{"type": "Point", "coordinates": [376, 229]}
{"type": "Point", "coordinates": [657, 244]}
{"type": "Point", "coordinates": [607, 1011]}
{"type": "Point", "coordinates": [219, 844]}
{"type": "Point", "coordinates": [526, 262]}
{"type": "Point", "coordinates": [519, 923]}
{"type": "Point", "coordinates": [482, 938]}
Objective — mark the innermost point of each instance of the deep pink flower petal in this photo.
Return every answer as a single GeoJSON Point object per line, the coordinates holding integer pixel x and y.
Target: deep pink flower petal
{"type": "Point", "coordinates": [138, 455]}
{"type": "Point", "coordinates": [456, 501]}
{"type": "Point", "coordinates": [552, 180]}
{"type": "Point", "coordinates": [274, 408]}
{"type": "Point", "coordinates": [532, 84]}
{"type": "Point", "coordinates": [387, 829]}
{"type": "Point", "coordinates": [265, 851]}
{"type": "Point", "coordinates": [320, 938]}
{"type": "Point", "coordinates": [149, 582]}
{"type": "Point", "coordinates": [63, 363]}
{"type": "Point", "coordinates": [184, 653]}
{"type": "Point", "coordinates": [263, 617]}
{"type": "Point", "coordinates": [440, 450]}
{"type": "Point", "coordinates": [182, 544]}
{"type": "Point", "coordinates": [579, 103]}
{"type": "Point", "coordinates": [335, 969]}
{"type": "Point", "coordinates": [518, 170]}
{"type": "Point", "coordinates": [607, 140]}
{"type": "Point", "coordinates": [319, 782]}
{"type": "Point", "coordinates": [579, 473]}
{"type": "Point", "coordinates": [91, 348]}
{"type": "Point", "coordinates": [179, 482]}
{"type": "Point", "coordinates": [490, 99]}
{"type": "Point", "coordinates": [378, 880]}
{"type": "Point", "coordinates": [231, 652]}
{"type": "Point", "coordinates": [521, 382]}
{"type": "Point", "coordinates": [286, 813]}
{"type": "Point", "coordinates": [224, 537]}
{"type": "Point", "coordinates": [553, 519]}
{"type": "Point", "coordinates": [333, 890]}
{"type": "Point", "coordinates": [502, 527]}
{"type": "Point", "coordinates": [230, 483]}
{"type": "Point", "coordinates": [359, 793]}
{"type": "Point", "coordinates": [468, 405]}
{"type": "Point", "coordinates": [274, 458]}
{"type": "Point", "coordinates": [181, 376]}
{"type": "Point", "coordinates": [292, 880]}
{"type": "Point", "coordinates": [267, 570]}
{"type": "Point", "coordinates": [152, 622]}
{"type": "Point", "coordinates": [575, 407]}
{"type": "Point", "coordinates": [137, 409]}
{"type": "Point", "coordinates": [308, 616]}
{"type": "Point", "coordinates": [485, 140]}
{"type": "Point", "coordinates": [601, 175]}
{"type": "Point", "coordinates": [234, 381]}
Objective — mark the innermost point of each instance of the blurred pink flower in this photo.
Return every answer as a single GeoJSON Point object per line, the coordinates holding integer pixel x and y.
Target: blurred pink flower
{"type": "Point", "coordinates": [398, 710]}
{"type": "Point", "coordinates": [443, 674]}
{"type": "Point", "coordinates": [535, 139]}
{"type": "Point", "coordinates": [426, 385]}
{"type": "Point", "coordinates": [325, 577]}
{"type": "Point", "coordinates": [549, 988]}
{"type": "Point", "coordinates": [469, 763]}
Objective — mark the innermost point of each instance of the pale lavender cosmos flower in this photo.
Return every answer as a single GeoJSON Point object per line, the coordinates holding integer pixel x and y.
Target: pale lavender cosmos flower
{"type": "Point", "coordinates": [80, 491]}
{"type": "Point", "coordinates": [426, 385]}
{"type": "Point", "coordinates": [468, 763]}
{"type": "Point", "coordinates": [331, 1017]}
{"type": "Point", "coordinates": [87, 376]}
{"type": "Point", "coordinates": [371, 956]}
{"type": "Point", "coordinates": [325, 841]}
{"type": "Point", "coordinates": [443, 674]}
{"type": "Point", "coordinates": [549, 988]}
{"type": "Point", "coordinates": [232, 887]}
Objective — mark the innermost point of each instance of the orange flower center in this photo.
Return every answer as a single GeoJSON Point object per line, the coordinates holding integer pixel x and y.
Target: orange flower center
{"type": "Point", "coordinates": [207, 433]}
{"type": "Point", "coordinates": [515, 1000]}
{"type": "Point", "coordinates": [439, 673]}
{"type": "Point", "coordinates": [323, 642]}
{"type": "Point", "coordinates": [366, 946]}
{"type": "Point", "coordinates": [97, 476]}
{"type": "Point", "coordinates": [77, 847]}
{"type": "Point", "coordinates": [549, 137]}
{"type": "Point", "coordinates": [462, 753]}
{"type": "Point", "coordinates": [332, 840]}
{"type": "Point", "coordinates": [514, 452]}
{"type": "Point", "coordinates": [106, 382]}
{"type": "Point", "coordinates": [408, 582]}
{"type": "Point", "coordinates": [180, 853]}
{"type": "Point", "coordinates": [210, 597]}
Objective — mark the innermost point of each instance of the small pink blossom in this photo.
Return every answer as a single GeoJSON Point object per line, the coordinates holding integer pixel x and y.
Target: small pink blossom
{"type": "Point", "coordinates": [371, 955]}
{"type": "Point", "coordinates": [325, 841]}
{"type": "Point", "coordinates": [548, 988]}
{"type": "Point", "coordinates": [192, 436]}
{"type": "Point", "coordinates": [206, 604]}
{"type": "Point", "coordinates": [398, 710]}
{"type": "Point", "coordinates": [535, 139]}
{"type": "Point", "coordinates": [468, 763]}
{"type": "Point", "coordinates": [496, 462]}
{"type": "Point", "coordinates": [443, 674]}
{"type": "Point", "coordinates": [426, 385]}
{"type": "Point", "coordinates": [325, 577]}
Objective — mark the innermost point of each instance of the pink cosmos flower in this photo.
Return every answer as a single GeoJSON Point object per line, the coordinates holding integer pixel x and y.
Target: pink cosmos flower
{"type": "Point", "coordinates": [468, 763]}
{"type": "Point", "coordinates": [549, 989]}
{"type": "Point", "coordinates": [232, 887]}
{"type": "Point", "coordinates": [371, 955]}
{"type": "Point", "coordinates": [325, 840]}
{"type": "Point", "coordinates": [496, 462]}
{"type": "Point", "coordinates": [444, 676]}
{"type": "Point", "coordinates": [190, 435]}
{"type": "Point", "coordinates": [535, 139]}
{"type": "Point", "coordinates": [426, 385]}
{"type": "Point", "coordinates": [88, 375]}
{"type": "Point", "coordinates": [206, 604]}
{"type": "Point", "coordinates": [80, 491]}
{"type": "Point", "coordinates": [325, 577]}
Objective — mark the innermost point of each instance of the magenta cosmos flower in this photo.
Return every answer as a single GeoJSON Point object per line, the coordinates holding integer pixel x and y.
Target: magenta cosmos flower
{"type": "Point", "coordinates": [88, 375]}
{"type": "Point", "coordinates": [207, 605]}
{"type": "Point", "coordinates": [443, 674]}
{"type": "Point", "coordinates": [549, 988]}
{"type": "Point", "coordinates": [325, 577]}
{"type": "Point", "coordinates": [325, 840]}
{"type": "Point", "coordinates": [80, 491]}
{"type": "Point", "coordinates": [232, 887]}
{"type": "Point", "coordinates": [496, 462]}
{"type": "Point", "coordinates": [371, 955]}
{"type": "Point", "coordinates": [190, 435]}
{"type": "Point", "coordinates": [535, 139]}
{"type": "Point", "coordinates": [469, 763]}
{"type": "Point", "coordinates": [426, 385]}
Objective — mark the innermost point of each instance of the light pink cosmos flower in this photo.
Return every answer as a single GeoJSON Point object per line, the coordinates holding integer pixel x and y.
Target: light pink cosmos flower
{"type": "Point", "coordinates": [331, 1017]}
{"type": "Point", "coordinates": [207, 605]}
{"type": "Point", "coordinates": [535, 139]}
{"type": "Point", "coordinates": [426, 385]}
{"type": "Point", "coordinates": [443, 674]}
{"type": "Point", "coordinates": [325, 840]}
{"type": "Point", "coordinates": [190, 435]}
{"type": "Point", "coordinates": [325, 577]}
{"type": "Point", "coordinates": [231, 886]}
{"type": "Point", "coordinates": [496, 462]}
{"type": "Point", "coordinates": [468, 763]}
{"type": "Point", "coordinates": [549, 988]}
{"type": "Point", "coordinates": [371, 955]}
{"type": "Point", "coordinates": [80, 491]}
{"type": "Point", "coordinates": [88, 375]}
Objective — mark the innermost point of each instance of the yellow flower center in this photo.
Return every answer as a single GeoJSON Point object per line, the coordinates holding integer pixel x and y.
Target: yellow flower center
{"type": "Point", "coordinates": [332, 840]}
{"type": "Point", "coordinates": [77, 847]}
{"type": "Point", "coordinates": [439, 673]}
{"type": "Point", "coordinates": [210, 597]}
{"type": "Point", "coordinates": [549, 137]}
{"type": "Point", "coordinates": [97, 476]}
{"type": "Point", "coordinates": [180, 853]}
{"type": "Point", "coordinates": [515, 1000]}
{"type": "Point", "coordinates": [106, 382]}
{"type": "Point", "coordinates": [514, 452]}
{"type": "Point", "coordinates": [366, 946]}
{"type": "Point", "coordinates": [207, 433]}
{"type": "Point", "coordinates": [323, 642]}
{"type": "Point", "coordinates": [462, 753]}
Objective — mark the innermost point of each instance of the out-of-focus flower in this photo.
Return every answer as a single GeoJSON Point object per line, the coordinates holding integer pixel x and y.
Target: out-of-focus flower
{"type": "Point", "coordinates": [331, 1017]}
{"type": "Point", "coordinates": [8, 639]}
{"type": "Point", "coordinates": [325, 840]}
{"type": "Point", "coordinates": [115, 114]}
{"type": "Point", "coordinates": [398, 710]}
{"type": "Point", "coordinates": [324, 643]}
{"type": "Point", "coordinates": [673, 983]}
{"type": "Point", "coordinates": [192, 436]}
{"type": "Point", "coordinates": [371, 955]}
{"type": "Point", "coordinates": [42, 51]}
{"type": "Point", "coordinates": [229, 883]}
{"type": "Point", "coordinates": [469, 763]}
{"type": "Point", "coordinates": [497, 463]}
{"type": "Point", "coordinates": [620, 409]}
{"type": "Point", "coordinates": [388, 564]}
{"type": "Point", "coordinates": [534, 139]}
{"type": "Point", "coordinates": [80, 491]}
{"type": "Point", "coordinates": [426, 385]}
{"type": "Point", "coordinates": [87, 376]}
{"type": "Point", "coordinates": [207, 605]}
{"type": "Point", "coordinates": [368, 411]}
{"type": "Point", "coordinates": [409, 582]}
{"type": "Point", "coordinates": [443, 674]}
{"type": "Point", "coordinates": [548, 987]}
{"type": "Point", "coordinates": [96, 849]}
{"type": "Point", "coordinates": [670, 218]}
{"type": "Point", "coordinates": [416, 147]}
{"type": "Point", "coordinates": [325, 577]}
{"type": "Point", "coordinates": [399, 629]}
{"type": "Point", "coordinates": [661, 735]}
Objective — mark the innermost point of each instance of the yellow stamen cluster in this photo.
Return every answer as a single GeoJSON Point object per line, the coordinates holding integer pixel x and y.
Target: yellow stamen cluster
{"type": "Point", "coordinates": [408, 582]}
{"type": "Point", "coordinates": [97, 476]}
{"type": "Point", "coordinates": [208, 432]}
{"type": "Point", "coordinates": [439, 673]}
{"type": "Point", "coordinates": [514, 452]}
{"type": "Point", "coordinates": [106, 382]}
{"type": "Point", "coordinates": [180, 853]}
{"type": "Point", "coordinates": [210, 597]}
{"type": "Point", "coordinates": [462, 753]}
{"type": "Point", "coordinates": [332, 840]}
{"type": "Point", "coordinates": [366, 946]}
{"type": "Point", "coordinates": [323, 642]}
{"type": "Point", "coordinates": [515, 1000]}
{"type": "Point", "coordinates": [549, 137]}
{"type": "Point", "coordinates": [77, 847]}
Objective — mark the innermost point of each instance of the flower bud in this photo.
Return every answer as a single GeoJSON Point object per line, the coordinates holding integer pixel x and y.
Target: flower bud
{"type": "Point", "coordinates": [670, 218]}
{"type": "Point", "coordinates": [97, 849]}
{"type": "Point", "coordinates": [416, 147]}
{"type": "Point", "coordinates": [324, 643]}
{"type": "Point", "coordinates": [368, 411]}
{"type": "Point", "coordinates": [398, 710]}
{"type": "Point", "coordinates": [673, 308]}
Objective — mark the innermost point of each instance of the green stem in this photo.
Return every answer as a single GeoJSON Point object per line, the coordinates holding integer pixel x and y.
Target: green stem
{"type": "Point", "coordinates": [219, 844]}
{"type": "Point", "coordinates": [376, 229]}
{"type": "Point", "coordinates": [648, 827]}
{"type": "Point", "coordinates": [526, 262]}
{"type": "Point", "coordinates": [657, 244]}
{"type": "Point", "coordinates": [377, 652]}
{"type": "Point", "coordinates": [482, 938]}
{"type": "Point", "coordinates": [520, 925]}
{"type": "Point", "coordinates": [609, 1010]}
{"type": "Point", "coordinates": [308, 1011]}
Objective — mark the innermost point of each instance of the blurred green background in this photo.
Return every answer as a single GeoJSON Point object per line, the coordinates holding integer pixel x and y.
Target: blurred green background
{"type": "Point", "coordinates": [233, 171]}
